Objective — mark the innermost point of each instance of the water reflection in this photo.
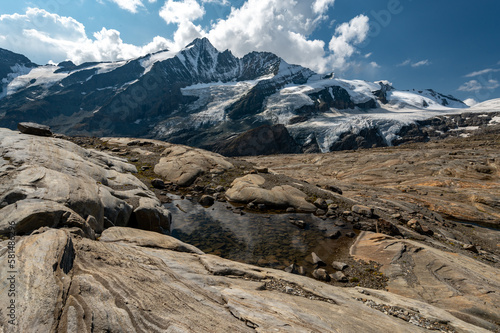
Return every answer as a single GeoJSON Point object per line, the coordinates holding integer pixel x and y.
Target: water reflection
{"type": "Point", "coordinates": [264, 239]}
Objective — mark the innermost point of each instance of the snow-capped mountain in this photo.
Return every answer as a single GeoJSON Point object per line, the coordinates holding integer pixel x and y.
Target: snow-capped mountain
{"type": "Point", "coordinates": [200, 96]}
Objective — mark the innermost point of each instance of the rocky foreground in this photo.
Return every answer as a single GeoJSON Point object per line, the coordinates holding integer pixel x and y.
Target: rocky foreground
{"type": "Point", "coordinates": [84, 248]}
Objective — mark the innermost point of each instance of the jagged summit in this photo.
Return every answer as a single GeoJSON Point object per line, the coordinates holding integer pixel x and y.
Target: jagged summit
{"type": "Point", "coordinates": [200, 96]}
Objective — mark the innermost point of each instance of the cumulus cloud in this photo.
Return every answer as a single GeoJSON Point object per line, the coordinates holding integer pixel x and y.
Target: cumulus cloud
{"type": "Point", "coordinates": [130, 5]}
{"type": "Point", "coordinates": [347, 35]}
{"type": "Point", "coordinates": [279, 26]}
{"type": "Point", "coordinates": [474, 85]}
{"type": "Point", "coordinates": [321, 6]}
{"type": "Point", "coordinates": [181, 11]}
{"type": "Point", "coordinates": [59, 38]}
{"type": "Point", "coordinates": [283, 27]}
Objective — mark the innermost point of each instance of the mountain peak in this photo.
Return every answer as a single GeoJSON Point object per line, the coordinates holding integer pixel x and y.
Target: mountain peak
{"type": "Point", "coordinates": [202, 43]}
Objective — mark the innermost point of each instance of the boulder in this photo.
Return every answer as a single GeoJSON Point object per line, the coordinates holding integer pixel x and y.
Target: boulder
{"type": "Point", "coordinates": [34, 129]}
{"type": "Point", "coordinates": [250, 189]}
{"type": "Point", "coordinates": [150, 215]}
{"type": "Point", "coordinates": [182, 165]}
{"type": "Point", "coordinates": [58, 176]}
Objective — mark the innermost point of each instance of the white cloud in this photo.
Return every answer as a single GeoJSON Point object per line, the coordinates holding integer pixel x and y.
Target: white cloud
{"type": "Point", "coordinates": [321, 6]}
{"type": "Point", "coordinates": [374, 64]}
{"type": "Point", "coordinates": [483, 72]}
{"type": "Point", "coordinates": [470, 102]}
{"type": "Point", "coordinates": [130, 5]}
{"type": "Point", "coordinates": [283, 27]}
{"type": "Point", "coordinates": [368, 55]}
{"type": "Point", "coordinates": [347, 35]}
{"type": "Point", "coordinates": [59, 38]}
{"type": "Point", "coordinates": [279, 26]}
{"type": "Point", "coordinates": [181, 11]}
{"type": "Point", "coordinates": [420, 63]}
{"type": "Point", "coordinates": [474, 85]}
{"type": "Point", "coordinates": [404, 63]}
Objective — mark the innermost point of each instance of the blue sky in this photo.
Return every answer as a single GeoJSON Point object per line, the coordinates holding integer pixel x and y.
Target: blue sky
{"type": "Point", "coordinates": [450, 46]}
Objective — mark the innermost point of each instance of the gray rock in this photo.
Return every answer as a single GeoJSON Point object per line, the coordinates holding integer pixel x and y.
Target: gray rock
{"type": "Point", "coordinates": [158, 183]}
{"type": "Point", "coordinates": [150, 215]}
{"type": "Point", "coordinates": [321, 204]}
{"type": "Point", "coordinates": [316, 260]}
{"type": "Point", "coordinates": [339, 277]}
{"type": "Point", "coordinates": [182, 165]}
{"type": "Point", "coordinates": [340, 266]}
{"type": "Point", "coordinates": [93, 285]}
{"type": "Point", "coordinates": [320, 212]}
{"type": "Point", "coordinates": [250, 189]}
{"type": "Point", "coordinates": [321, 274]}
{"type": "Point", "coordinates": [55, 171]}
{"type": "Point", "coordinates": [299, 223]}
{"type": "Point", "coordinates": [362, 210]}
{"type": "Point", "coordinates": [207, 200]}
{"type": "Point", "coordinates": [34, 129]}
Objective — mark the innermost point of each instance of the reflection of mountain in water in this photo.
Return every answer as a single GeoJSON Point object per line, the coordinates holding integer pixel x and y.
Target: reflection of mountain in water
{"type": "Point", "coordinates": [267, 240]}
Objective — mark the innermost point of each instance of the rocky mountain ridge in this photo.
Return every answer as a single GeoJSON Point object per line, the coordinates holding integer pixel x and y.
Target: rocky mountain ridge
{"type": "Point", "coordinates": [202, 97]}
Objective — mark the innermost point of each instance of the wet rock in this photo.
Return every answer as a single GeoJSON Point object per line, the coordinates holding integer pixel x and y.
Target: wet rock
{"type": "Point", "coordinates": [158, 183]}
{"type": "Point", "coordinates": [316, 260]}
{"type": "Point", "coordinates": [363, 210]}
{"type": "Point", "coordinates": [350, 234]}
{"type": "Point", "coordinates": [339, 277]}
{"type": "Point", "coordinates": [291, 210]}
{"type": "Point", "coordinates": [299, 223]}
{"type": "Point", "coordinates": [321, 274]}
{"type": "Point", "coordinates": [34, 129]}
{"type": "Point", "coordinates": [207, 200]}
{"type": "Point", "coordinates": [340, 266]}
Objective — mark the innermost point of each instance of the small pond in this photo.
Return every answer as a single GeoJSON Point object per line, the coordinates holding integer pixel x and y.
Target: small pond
{"type": "Point", "coordinates": [269, 240]}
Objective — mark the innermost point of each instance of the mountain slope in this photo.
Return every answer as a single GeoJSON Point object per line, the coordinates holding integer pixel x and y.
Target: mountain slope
{"type": "Point", "coordinates": [202, 97]}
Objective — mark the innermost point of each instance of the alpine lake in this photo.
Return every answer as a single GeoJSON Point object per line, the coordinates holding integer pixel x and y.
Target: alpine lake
{"type": "Point", "coordinates": [274, 240]}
